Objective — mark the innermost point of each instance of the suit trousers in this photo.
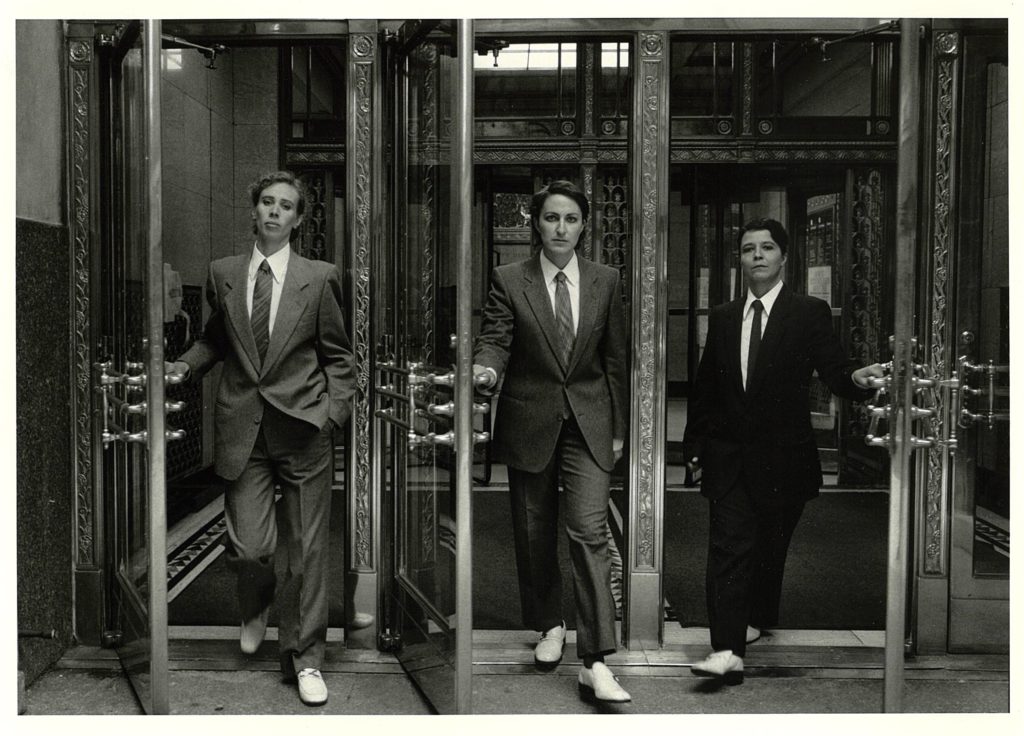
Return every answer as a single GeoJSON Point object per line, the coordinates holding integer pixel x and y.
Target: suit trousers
{"type": "Point", "coordinates": [297, 458]}
{"type": "Point", "coordinates": [747, 552]}
{"type": "Point", "coordinates": [535, 500]}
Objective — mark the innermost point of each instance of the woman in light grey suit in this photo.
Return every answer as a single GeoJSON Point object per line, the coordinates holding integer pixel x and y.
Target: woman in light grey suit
{"type": "Point", "coordinates": [276, 323]}
{"type": "Point", "coordinates": [554, 333]}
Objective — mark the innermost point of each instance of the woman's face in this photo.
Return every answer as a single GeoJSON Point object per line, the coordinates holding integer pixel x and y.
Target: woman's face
{"type": "Point", "coordinates": [559, 225]}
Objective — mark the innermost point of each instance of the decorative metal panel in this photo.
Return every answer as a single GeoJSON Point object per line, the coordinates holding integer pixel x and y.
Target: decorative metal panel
{"type": "Point", "coordinates": [866, 275]}
{"type": "Point", "coordinates": [428, 116]}
{"type": "Point", "coordinates": [362, 61]}
{"type": "Point", "coordinates": [747, 85]}
{"type": "Point", "coordinates": [615, 225]}
{"type": "Point", "coordinates": [647, 378]}
{"type": "Point", "coordinates": [791, 153]}
{"type": "Point", "coordinates": [500, 156]}
{"type": "Point", "coordinates": [80, 92]}
{"type": "Point", "coordinates": [316, 226]}
{"type": "Point", "coordinates": [936, 488]}
{"type": "Point", "coordinates": [589, 83]}
{"type": "Point", "coordinates": [299, 157]}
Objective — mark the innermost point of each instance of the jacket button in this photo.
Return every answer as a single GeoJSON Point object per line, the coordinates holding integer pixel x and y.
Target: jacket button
{"type": "Point", "coordinates": [256, 420]}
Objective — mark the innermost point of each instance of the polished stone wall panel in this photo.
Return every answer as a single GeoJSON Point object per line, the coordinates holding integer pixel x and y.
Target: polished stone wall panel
{"type": "Point", "coordinates": [44, 454]}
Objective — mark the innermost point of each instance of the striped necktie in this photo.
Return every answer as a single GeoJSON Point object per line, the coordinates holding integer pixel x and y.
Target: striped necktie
{"type": "Point", "coordinates": [563, 316]}
{"type": "Point", "coordinates": [260, 318]}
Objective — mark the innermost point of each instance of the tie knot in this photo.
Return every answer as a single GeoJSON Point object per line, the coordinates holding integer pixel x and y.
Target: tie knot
{"type": "Point", "coordinates": [265, 266]}
{"type": "Point", "coordinates": [560, 277]}
{"type": "Point", "coordinates": [757, 306]}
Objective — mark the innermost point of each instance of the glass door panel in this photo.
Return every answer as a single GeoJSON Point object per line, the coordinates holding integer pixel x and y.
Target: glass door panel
{"type": "Point", "coordinates": [423, 410]}
{"type": "Point", "coordinates": [980, 550]}
{"type": "Point", "coordinates": [129, 375]}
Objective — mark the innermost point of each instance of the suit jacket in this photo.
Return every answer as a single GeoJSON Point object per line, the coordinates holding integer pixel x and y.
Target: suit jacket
{"type": "Point", "coordinates": [308, 370]}
{"type": "Point", "coordinates": [763, 437]}
{"type": "Point", "coordinates": [519, 340]}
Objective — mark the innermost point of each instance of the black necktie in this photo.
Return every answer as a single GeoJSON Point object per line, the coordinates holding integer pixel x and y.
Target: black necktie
{"type": "Point", "coordinates": [755, 340]}
{"type": "Point", "coordinates": [563, 316]}
{"type": "Point", "coordinates": [260, 318]}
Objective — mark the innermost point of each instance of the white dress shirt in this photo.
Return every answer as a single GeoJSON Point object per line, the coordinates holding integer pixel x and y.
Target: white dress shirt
{"type": "Point", "coordinates": [768, 301]}
{"type": "Point", "coordinates": [572, 282]}
{"type": "Point", "coordinates": [278, 269]}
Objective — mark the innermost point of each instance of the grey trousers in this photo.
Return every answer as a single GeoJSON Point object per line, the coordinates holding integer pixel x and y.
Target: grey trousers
{"type": "Point", "coordinates": [298, 458]}
{"type": "Point", "coordinates": [535, 500]}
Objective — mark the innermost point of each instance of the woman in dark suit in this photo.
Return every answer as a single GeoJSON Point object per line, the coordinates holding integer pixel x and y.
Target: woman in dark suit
{"type": "Point", "coordinates": [749, 428]}
{"type": "Point", "coordinates": [554, 334]}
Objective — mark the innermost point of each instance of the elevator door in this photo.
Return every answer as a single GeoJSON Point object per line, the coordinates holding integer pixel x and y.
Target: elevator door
{"type": "Point", "coordinates": [423, 372]}
{"type": "Point", "coordinates": [129, 372]}
{"type": "Point", "coordinates": [979, 607]}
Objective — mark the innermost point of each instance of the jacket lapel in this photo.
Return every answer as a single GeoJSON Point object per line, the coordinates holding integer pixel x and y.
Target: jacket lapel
{"type": "Point", "coordinates": [588, 307]}
{"type": "Point", "coordinates": [238, 312]}
{"type": "Point", "coordinates": [289, 308]}
{"type": "Point", "coordinates": [733, 334]}
{"type": "Point", "coordinates": [773, 332]}
{"type": "Point", "coordinates": [536, 292]}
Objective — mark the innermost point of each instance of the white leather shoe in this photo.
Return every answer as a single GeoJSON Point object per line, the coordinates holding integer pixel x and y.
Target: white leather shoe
{"type": "Point", "coordinates": [548, 651]}
{"type": "Point", "coordinates": [723, 664]}
{"type": "Point", "coordinates": [312, 689]}
{"type": "Point", "coordinates": [598, 683]}
{"type": "Point", "coordinates": [253, 631]}
{"type": "Point", "coordinates": [753, 634]}
{"type": "Point", "coordinates": [359, 620]}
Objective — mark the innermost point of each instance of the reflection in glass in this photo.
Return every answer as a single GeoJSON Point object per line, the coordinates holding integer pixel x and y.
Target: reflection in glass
{"type": "Point", "coordinates": [317, 92]}
{"type": "Point", "coordinates": [992, 468]}
{"type": "Point", "coordinates": [527, 80]}
{"type": "Point", "coordinates": [702, 78]}
{"type": "Point", "coordinates": [794, 79]}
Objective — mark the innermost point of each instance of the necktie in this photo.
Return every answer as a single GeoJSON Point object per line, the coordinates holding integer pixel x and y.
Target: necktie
{"type": "Point", "coordinates": [755, 340]}
{"type": "Point", "coordinates": [563, 316]}
{"type": "Point", "coordinates": [260, 318]}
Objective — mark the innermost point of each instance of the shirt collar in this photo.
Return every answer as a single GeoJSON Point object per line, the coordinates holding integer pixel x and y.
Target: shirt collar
{"type": "Point", "coordinates": [571, 270]}
{"type": "Point", "coordinates": [768, 300]}
{"type": "Point", "coordinates": [278, 262]}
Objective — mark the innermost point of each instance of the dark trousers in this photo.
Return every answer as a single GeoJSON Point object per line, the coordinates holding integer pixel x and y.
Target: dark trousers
{"type": "Point", "coordinates": [535, 501]}
{"type": "Point", "coordinates": [298, 458]}
{"type": "Point", "coordinates": [746, 559]}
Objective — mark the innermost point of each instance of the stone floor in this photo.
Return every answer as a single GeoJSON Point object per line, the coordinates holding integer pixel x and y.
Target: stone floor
{"type": "Point", "coordinates": [791, 672]}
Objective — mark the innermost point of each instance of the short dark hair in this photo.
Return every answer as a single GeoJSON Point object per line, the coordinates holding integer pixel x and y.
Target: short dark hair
{"type": "Point", "coordinates": [566, 189]}
{"type": "Point", "coordinates": [279, 177]}
{"type": "Point", "coordinates": [774, 228]}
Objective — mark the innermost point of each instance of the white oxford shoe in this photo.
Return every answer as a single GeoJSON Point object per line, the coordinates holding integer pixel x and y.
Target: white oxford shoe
{"type": "Point", "coordinates": [753, 634]}
{"type": "Point", "coordinates": [598, 683]}
{"type": "Point", "coordinates": [723, 664]}
{"type": "Point", "coordinates": [359, 620]}
{"type": "Point", "coordinates": [548, 651]}
{"type": "Point", "coordinates": [312, 689]}
{"type": "Point", "coordinates": [253, 631]}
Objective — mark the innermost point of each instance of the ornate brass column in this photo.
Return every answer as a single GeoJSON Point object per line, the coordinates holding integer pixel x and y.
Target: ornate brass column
{"type": "Point", "coordinates": [364, 169]}
{"type": "Point", "coordinates": [935, 465]}
{"type": "Point", "coordinates": [649, 153]}
{"type": "Point", "coordinates": [82, 92]}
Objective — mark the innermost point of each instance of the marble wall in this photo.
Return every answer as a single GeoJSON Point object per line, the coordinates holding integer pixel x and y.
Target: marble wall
{"type": "Point", "coordinates": [45, 488]}
{"type": "Point", "coordinates": [255, 132]}
{"type": "Point", "coordinates": [41, 361]}
{"type": "Point", "coordinates": [40, 119]}
{"type": "Point", "coordinates": [220, 132]}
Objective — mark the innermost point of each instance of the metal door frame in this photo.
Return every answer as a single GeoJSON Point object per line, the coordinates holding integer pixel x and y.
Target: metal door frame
{"type": "Point", "coordinates": [145, 658]}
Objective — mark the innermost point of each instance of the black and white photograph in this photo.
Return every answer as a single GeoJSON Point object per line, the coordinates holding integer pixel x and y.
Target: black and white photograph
{"type": "Point", "coordinates": [510, 362]}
